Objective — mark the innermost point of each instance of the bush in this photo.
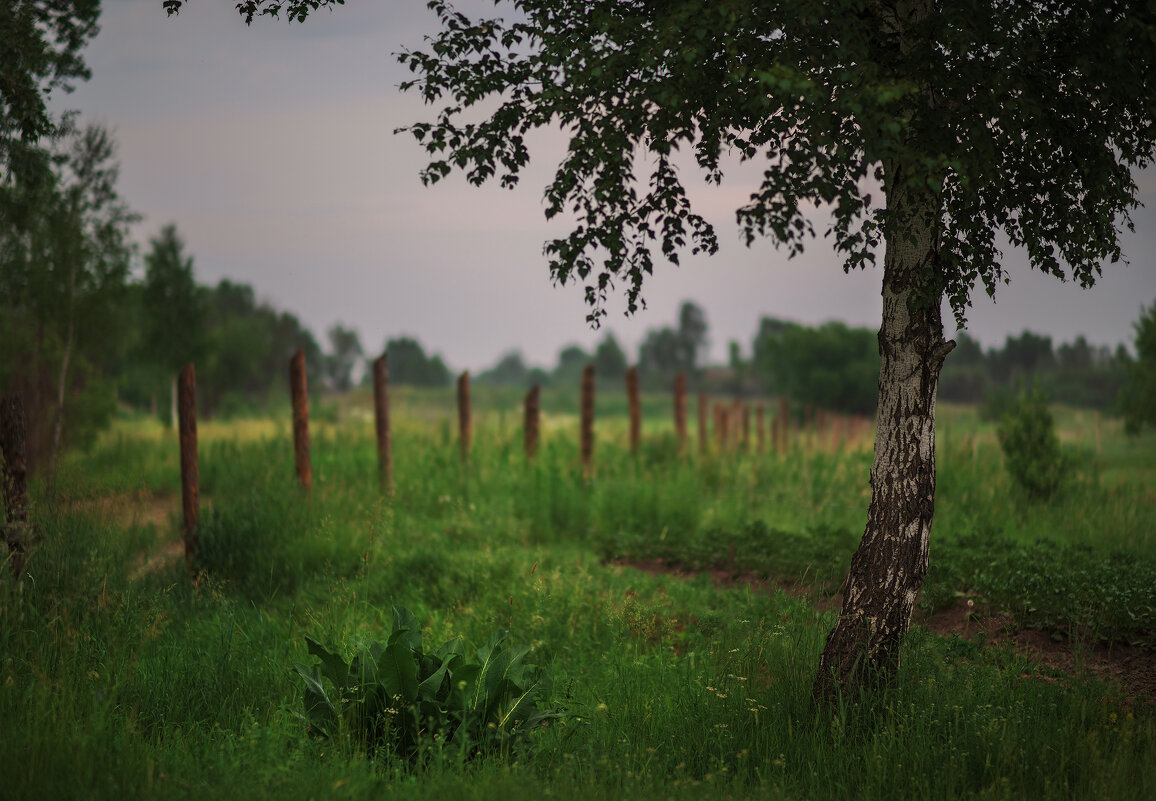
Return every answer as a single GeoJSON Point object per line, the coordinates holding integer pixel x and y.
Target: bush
{"type": "Point", "coordinates": [1027, 436]}
{"type": "Point", "coordinates": [393, 696]}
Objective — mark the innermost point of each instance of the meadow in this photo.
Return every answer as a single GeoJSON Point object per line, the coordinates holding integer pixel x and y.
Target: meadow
{"type": "Point", "coordinates": [124, 674]}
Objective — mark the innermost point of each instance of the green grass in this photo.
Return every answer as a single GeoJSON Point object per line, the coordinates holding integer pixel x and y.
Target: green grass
{"type": "Point", "coordinates": [168, 685]}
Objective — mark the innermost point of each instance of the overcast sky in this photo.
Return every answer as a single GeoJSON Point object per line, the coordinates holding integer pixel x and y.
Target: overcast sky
{"type": "Point", "coordinates": [272, 149]}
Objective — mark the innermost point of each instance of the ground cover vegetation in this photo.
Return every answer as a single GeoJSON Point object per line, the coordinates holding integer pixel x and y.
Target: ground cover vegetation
{"type": "Point", "coordinates": [124, 674]}
{"type": "Point", "coordinates": [971, 120]}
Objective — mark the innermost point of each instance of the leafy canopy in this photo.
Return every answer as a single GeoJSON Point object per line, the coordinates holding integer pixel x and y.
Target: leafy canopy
{"type": "Point", "coordinates": [1025, 118]}
{"type": "Point", "coordinates": [41, 53]}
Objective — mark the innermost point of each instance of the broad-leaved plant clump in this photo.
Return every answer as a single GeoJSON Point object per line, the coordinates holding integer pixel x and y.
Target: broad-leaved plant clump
{"type": "Point", "coordinates": [396, 697]}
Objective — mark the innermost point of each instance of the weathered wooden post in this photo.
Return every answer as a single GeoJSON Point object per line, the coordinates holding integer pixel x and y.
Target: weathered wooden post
{"type": "Point", "coordinates": [190, 481]}
{"type": "Point", "coordinates": [635, 408]}
{"type": "Point", "coordinates": [735, 415]}
{"type": "Point", "coordinates": [761, 428]}
{"type": "Point", "coordinates": [680, 410]}
{"type": "Point", "coordinates": [381, 421]}
{"type": "Point", "coordinates": [14, 450]}
{"type": "Point", "coordinates": [300, 395]}
{"type": "Point", "coordinates": [702, 423]}
{"type": "Point", "coordinates": [532, 424]}
{"type": "Point", "coordinates": [785, 426]}
{"type": "Point", "coordinates": [745, 445]}
{"type": "Point", "coordinates": [721, 426]}
{"type": "Point", "coordinates": [465, 421]}
{"type": "Point", "coordinates": [587, 411]}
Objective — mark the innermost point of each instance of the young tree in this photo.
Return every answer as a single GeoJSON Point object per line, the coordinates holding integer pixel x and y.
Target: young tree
{"type": "Point", "coordinates": [63, 268]}
{"type": "Point", "coordinates": [511, 370]}
{"type": "Point", "coordinates": [609, 359]}
{"type": "Point", "coordinates": [572, 360]}
{"type": "Point", "coordinates": [173, 309]}
{"type": "Point", "coordinates": [345, 352]}
{"type": "Point", "coordinates": [970, 119]}
{"type": "Point", "coordinates": [1137, 399]}
{"type": "Point", "coordinates": [408, 364]}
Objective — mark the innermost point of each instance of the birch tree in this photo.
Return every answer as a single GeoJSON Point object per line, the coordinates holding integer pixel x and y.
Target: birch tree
{"type": "Point", "coordinates": [924, 129]}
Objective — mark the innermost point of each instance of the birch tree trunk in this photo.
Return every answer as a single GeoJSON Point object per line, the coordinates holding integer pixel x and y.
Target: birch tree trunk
{"type": "Point", "coordinates": [888, 568]}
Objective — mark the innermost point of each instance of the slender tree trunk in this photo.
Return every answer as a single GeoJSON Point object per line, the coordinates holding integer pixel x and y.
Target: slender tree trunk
{"type": "Point", "coordinates": [14, 530]}
{"type": "Point", "coordinates": [887, 570]}
{"type": "Point", "coordinates": [58, 419]}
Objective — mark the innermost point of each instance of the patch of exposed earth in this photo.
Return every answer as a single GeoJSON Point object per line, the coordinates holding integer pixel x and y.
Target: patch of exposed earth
{"type": "Point", "coordinates": [1130, 668]}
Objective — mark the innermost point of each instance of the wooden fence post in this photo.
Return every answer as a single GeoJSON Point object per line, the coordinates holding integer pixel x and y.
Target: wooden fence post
{"type": "Point", "coordinates": [702, 423]}
{"type": "Point", "coordinates": [532, 425]}
{"type": "Point", "coordinates": [190, 481]}
{"type": "Point", "coordinates": [721, 427]}
{"type": "Point", "coordinates": [680, 410]}
{"type": "Point", "coordinates": [300, 394]}
{"type": "Point", "coordinates": [587, 410]}
{"type": "Point", "coordinates": [761, 428]}
{"type": "Point", "coordinates": [465, 421]}
{"type": "Point", "coordinates": [381, 421]}
{"type": "Point", "coordinates": [785, 424]}
{"type": "Point", "coordinates": [14, 449]}
{"type": "Point", "coordinates": [745, 445]}
{"type": "Point", "coordinates": [635, 408]}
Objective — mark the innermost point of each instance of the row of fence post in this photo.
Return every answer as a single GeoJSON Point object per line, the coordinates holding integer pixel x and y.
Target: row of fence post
{"type": "Point", "coordinates": [732, 426]}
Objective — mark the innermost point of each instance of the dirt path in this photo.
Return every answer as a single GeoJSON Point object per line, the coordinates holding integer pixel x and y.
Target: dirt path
{"type": "Point", "coordinates": [1132, 669]}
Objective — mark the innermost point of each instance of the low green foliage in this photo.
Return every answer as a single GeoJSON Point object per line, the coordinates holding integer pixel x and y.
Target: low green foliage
{"type": "Point", "coordinates": [394, 696]}
{"type": "Point", "coordinates": [1027, 435]}
{"type": "Point", "coordinates": [124, 678]}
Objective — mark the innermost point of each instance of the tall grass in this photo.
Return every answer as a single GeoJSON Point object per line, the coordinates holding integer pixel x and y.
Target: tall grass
{"type": "Point", "coordinates": [120, 683]}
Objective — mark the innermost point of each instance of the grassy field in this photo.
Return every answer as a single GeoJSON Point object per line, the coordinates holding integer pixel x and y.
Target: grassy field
{"type": "Point", "coordinates": [123, 676]}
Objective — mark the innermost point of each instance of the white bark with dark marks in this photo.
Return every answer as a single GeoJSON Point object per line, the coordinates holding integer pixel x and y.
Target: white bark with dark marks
{"type": "Point", "coordinates": [888, 568]}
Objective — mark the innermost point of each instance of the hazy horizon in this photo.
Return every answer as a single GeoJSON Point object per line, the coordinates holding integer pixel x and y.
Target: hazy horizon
{"type": "Point", "coordinates": [271, 149]}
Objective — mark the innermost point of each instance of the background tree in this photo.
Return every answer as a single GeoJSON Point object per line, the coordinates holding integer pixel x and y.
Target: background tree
{"type": "Point", "coordinates": [970, 119]}
{"type": "Point", "coordinates": [1138, 395]}
{"type": "Point", "coordinates": [408, 364]}
{"type": "Point", "coordinates": [1022, 358]}
{"type": "Point", "coordinates": [172, 309]}
{"type": "Point", "coordinates": [247, 350]}
{"type": "Point", "coordinates": [345, 354]}
{"type": "Point", "coordinates": [511, 370]}
{"type": "Point", "coordinates": [64, 270]}
{"type": "Point", "coordinates": [667, 351]}
{"type": "Point", "coordinates": [832, 366]}
{"type": "Point", "coordinates": [609, 359]}
{"type": "Point", "coordinates": [965, 376]}
{"type": "Point", "coordinates": [572, 360]}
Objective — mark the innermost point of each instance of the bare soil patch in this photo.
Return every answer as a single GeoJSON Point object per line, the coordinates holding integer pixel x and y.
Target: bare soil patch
{"type": "Point", "coordinates": [1131, 669]}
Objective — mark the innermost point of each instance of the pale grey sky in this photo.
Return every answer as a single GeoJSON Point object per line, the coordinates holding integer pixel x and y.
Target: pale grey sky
{"type": "Point", "coordinates": [272, 149]}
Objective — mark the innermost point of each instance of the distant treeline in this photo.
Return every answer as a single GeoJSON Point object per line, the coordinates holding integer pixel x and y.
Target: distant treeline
{"type": "Point", "coordinates": [83, 336]}
{"type": "Point", "coordinates": [836, 366]}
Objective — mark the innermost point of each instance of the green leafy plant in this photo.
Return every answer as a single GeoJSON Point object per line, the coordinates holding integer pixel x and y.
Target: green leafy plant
{"type": "Point", "coordinates": [395, 696]}
{"type": "Point", "coordinates": [1027, 436]}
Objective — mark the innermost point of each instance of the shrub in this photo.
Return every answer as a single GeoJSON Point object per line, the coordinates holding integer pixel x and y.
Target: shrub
{"type": "Point", "coordinates": [393, 696]}
{"type": "Point", "coordinates": [1027, 436]}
